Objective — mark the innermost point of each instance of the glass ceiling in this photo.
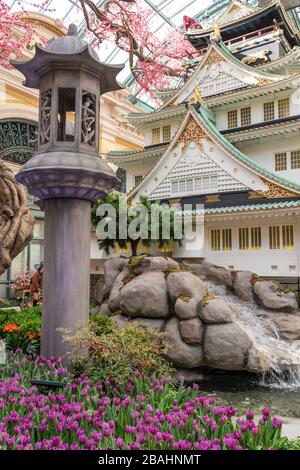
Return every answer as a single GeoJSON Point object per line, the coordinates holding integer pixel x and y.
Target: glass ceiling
{"type": "Point", "coordinates": [166, 13]}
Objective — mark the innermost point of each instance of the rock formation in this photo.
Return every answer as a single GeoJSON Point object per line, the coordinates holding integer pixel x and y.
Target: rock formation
{"type": "Point", "coordinates": [249, 327]}
{"type": "Point", "coordinates": [16, 220]}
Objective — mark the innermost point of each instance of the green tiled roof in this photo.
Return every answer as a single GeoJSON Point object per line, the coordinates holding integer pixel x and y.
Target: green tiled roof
{"type": "Point", "coordinates": [244, 208]}
{"type": "Point", "coordinates": [145, 152]}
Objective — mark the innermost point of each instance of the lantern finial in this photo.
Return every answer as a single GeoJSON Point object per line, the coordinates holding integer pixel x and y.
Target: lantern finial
{"type": "Point", "coordinates": [72, 30]}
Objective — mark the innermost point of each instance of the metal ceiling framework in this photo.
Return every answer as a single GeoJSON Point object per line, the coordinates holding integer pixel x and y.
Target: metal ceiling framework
{"type": "Point", "coordinates": [166, 14]}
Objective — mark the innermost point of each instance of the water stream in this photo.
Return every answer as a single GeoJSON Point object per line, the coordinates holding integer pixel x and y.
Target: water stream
{"type": "Point", "coordinates": [283, 357]}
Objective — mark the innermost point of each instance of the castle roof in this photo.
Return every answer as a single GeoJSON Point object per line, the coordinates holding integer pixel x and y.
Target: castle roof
{"type": "Point", "coordinates": [198, 125]}
{"type": "Point", "coordinates": [252, 20]}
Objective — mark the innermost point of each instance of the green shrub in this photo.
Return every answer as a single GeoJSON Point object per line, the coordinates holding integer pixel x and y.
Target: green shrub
{"type": "Point", "coordinates": [112, 351]}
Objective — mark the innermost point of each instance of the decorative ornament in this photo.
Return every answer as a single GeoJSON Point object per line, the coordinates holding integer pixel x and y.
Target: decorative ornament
{"type": "Point", "coordinates": [275, 191]}
{"type": "Point", "coordinates": [193, 132]}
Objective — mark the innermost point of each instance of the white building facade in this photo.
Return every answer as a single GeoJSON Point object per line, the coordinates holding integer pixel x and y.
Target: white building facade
{"type": "Point", "coordinates": [229, 138]}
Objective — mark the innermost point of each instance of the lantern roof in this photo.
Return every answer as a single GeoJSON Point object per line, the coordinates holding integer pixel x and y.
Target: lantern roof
{"type": "Point", "coordinates": [69, 52]}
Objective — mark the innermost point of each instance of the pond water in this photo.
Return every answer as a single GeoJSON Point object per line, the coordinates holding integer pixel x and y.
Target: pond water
{"type": "Point", "coordinates": [245, 391]}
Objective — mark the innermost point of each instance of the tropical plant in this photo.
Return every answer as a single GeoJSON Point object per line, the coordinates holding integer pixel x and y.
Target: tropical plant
{"type": "Point", "coordinates": [139, 215]}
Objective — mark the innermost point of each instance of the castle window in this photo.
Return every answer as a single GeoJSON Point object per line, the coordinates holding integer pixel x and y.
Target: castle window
{"type": "Point", "coordinates": [295, 159]}
{"type": "Point", "coordinates": [215, 240]}
{"type": "Point", "coordinates": [198, 184]}
{"type": "Point", "coordinates": [156, 135]}
{"type": "Point", "coordinates": [280, 161]}
{"type": "Point", "coordinates": [269, 111]}
{"type": "Point", "coordinates": [255, 238]}
{"type": "Point", "coordinates": [244, 238]}
{"type": "Point", "coordinates": [232, 117]}
{"type": "Point", "coordinates": [227, 239]}
{"type": "Point", "coordinates": [166, 133]}
{"type": "Point", "coordinates": [283, 108]}
{"type": "Point", "coordinates": [137, 180]}
{"type": "Point", "coordinates": [246, 116]}
{"type": "Point", "coordinates": [274, 237]}
{"type": "Point", "coordinates": [287, 236]}
{"type": "Point", "coordinates": [205, 182]}
{"type": "Point", "coordinates": [190, 184]}
{"type": "Point", "coordinates": [174, 187]}
{"type": "Point", "coordinates": [182, 186]}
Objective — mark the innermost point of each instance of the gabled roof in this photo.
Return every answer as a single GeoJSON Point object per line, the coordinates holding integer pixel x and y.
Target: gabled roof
{"type": "Point", "coordinates": [202, 119]}
{"type": "Point", "coordinates": [235, 11]}
{"type": "Point", "coordinates": [253, 22]}
{"type": "Point", "coordinates": [119, 157]}
{"type": "Point", "coordinates": [220, 53]}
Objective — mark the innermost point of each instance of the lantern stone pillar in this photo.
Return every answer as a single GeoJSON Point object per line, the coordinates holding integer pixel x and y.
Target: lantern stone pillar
{"type": "Point", "coordinates": [67, 174]}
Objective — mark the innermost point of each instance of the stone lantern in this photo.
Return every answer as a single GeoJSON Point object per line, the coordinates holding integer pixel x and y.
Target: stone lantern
{"type": "Point", "coordinates": [66, 174]}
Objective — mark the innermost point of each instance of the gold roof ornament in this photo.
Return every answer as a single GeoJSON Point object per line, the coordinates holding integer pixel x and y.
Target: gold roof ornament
{"type": "Point", "coordinates": [197, 95]}
{"type": "Point", "coordinates": [217, 30]}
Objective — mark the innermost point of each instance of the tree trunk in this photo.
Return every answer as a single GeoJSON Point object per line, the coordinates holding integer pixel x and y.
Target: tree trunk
{"type": "Point", "coordinates": [16, 220]}
{"type": "Point", "coordinates": [134, 246]}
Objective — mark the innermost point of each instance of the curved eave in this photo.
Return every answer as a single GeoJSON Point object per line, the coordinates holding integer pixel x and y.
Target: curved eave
{"type": "Point", "coordinates": [160, 114]}
{"type": "Point", "coordinates": [282, 62]}
{"type": "Point", "coordinates": [263, 130]}
{"type": "Point", "coordinates": [45, 60]}
{"type": "Point", "coordinates": [119, 158]}
{"type": "Point", "coordinates": [252, 22]}
{"type": "Point", "coordinates": [252, 91]}
{"type": "Point", "coordinates": [262, 207]}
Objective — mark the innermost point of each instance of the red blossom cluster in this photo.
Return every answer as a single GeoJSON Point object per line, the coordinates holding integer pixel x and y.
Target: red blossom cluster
{"type": "Point", "coordinates": [154, 62]}
{"type": "Point", "coordinates": [15, 32]}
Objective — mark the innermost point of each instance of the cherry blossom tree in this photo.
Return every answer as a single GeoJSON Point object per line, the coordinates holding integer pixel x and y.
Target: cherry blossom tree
{"type": "Point", "coordinates": [15, 32]}
{"type": "Point", "coordinates": [153, 62]}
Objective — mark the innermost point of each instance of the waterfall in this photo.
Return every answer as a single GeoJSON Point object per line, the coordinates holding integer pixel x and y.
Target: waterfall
{"type": "Point", "coordinates": [284, 357]}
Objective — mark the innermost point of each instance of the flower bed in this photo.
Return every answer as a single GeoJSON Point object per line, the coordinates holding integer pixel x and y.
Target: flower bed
{"type": "Point", "coordinates": [144, 414]}
{"type": "Point", "coordinates": [21, 329]}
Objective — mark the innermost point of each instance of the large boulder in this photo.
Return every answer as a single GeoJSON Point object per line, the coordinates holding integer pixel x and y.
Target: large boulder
{"type": "Point", "coordinates": [153, 323]}
{"type": "Point", "coordinates": [187, 308]}
{"type": "Point", "coordinates": [243, 285]}
{"type": "Point", "coordinates": [120, 320]}
{"type": "Point", "coordinates": [287, 325]}
{"type": "Point", "coordinates": [257, 361]}
{"type": "Point", "coordinates": [270, 296]}
{"type": "Point", "coordinates": [185, 285]}
{"type": "Point", "coordinates": [216, 310]}
{"type": "Point", "coordinates": [141, 264]}
{"type": "Point", "coordinates": [112, 269]}
{"type": "Point", "coordinates": [211, 271]}
{"type": "Point", "coordinates": [104, 310]}
{"type": "Point", "coordinates": [192, 331]}
{"type": "Point", "coordinates": [145, 296]}
{"type": "Point", "coordinates": [226, 347]}
{"type": "Point", "coordinates": [118, 284]}
{"type": "Point", "coordinates": [180, 353]}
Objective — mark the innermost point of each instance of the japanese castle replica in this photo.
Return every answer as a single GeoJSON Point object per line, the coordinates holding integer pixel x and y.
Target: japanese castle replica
{"type": "Point", "coordinates": [228, 137]}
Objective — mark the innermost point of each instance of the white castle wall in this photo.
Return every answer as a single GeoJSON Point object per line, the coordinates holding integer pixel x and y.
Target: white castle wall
{"type": "Point", "coordinates": [263, 153]}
